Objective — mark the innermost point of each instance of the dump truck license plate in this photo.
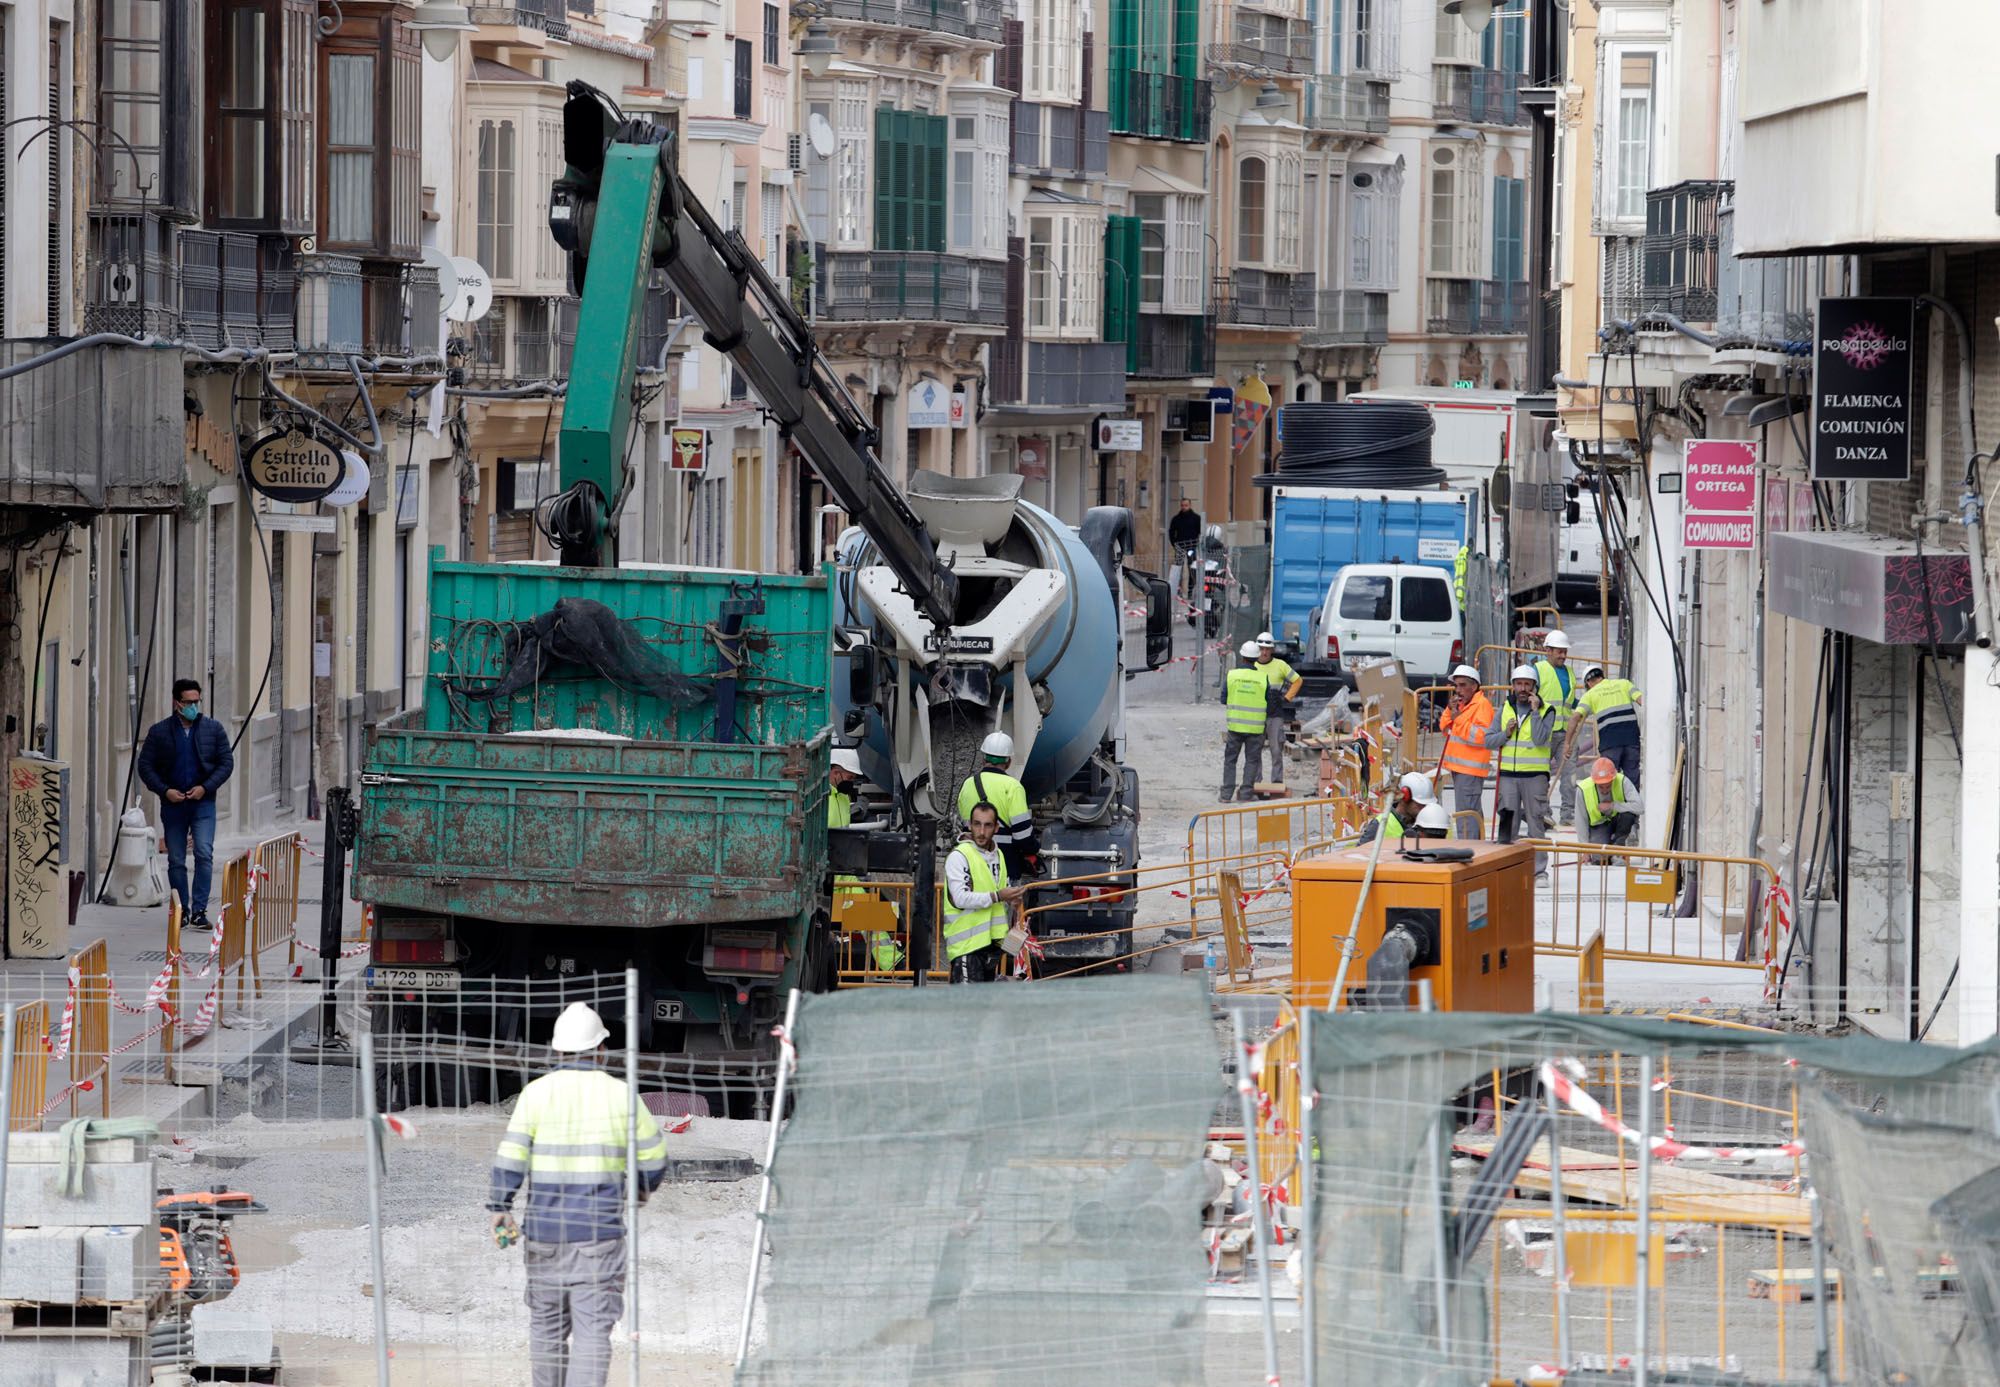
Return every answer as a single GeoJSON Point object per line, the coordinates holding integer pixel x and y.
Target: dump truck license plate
{"type": "Point", "coordinates": [667, 1010]}
{"type": "Point", "coordinates": [415, 979]}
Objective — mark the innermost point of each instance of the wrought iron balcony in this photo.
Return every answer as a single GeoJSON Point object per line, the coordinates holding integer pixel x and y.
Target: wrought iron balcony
{"type": "Point", "coordinates": [884, 286]}
{"type": "Point", "coordinates": [1768, 301]}
{"type": "Point", "coordinates": [1267, 298]}
{"type": "Point", "coordinates": [971, 19]}
{"type": "Point", "coordinates": [1161, 106]}
{"type": "Point", "coordinates": [237, 289]}
{"type": "Point", "coordinates": [656, 325]}
{"type": "Point", "coordinates": [1265, 42]}
{"type": "Point", "coordinates": [1062, 140]}
{"type": "Point", "coordinates": [1503, 307]}
{"type": "Point", "coordinates": [1355, 105]}
{"type": "Point", "coordinates": [135, 276]}
{"type": "Point", "coordinates": [1058, 375]}
{"type": "Point", "coordinates": [1476, 307]}
{"type": "Point", "coordinates": [400, 311]}
{"type": "Point", "coordinates": [101, 429]}
{"type": "Point", "coordinates": [332, 308]}
{"type": "Point", "coordinates": [1175, 346]}
{"type": "Point", "coordinates": [522, 14]}
{"type": "Point", "coordinates": [1680, 260]}
{"type": "Point", "coordinates": [1477, 96]}
{"type": "Point", "coordinates": [1349, 317]}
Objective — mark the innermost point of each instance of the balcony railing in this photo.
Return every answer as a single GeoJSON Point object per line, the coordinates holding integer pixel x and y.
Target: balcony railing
{"type": "Point", "coordinates": [1160, 106]}
{"type": "Point", "coordinates": [1678, 271]}
{"type": "Point", "coordinates": [135, 276]}
{"type": "Point", "coordinates": [1769, 300]}
{"type": "Point", "coordinates": [237, 289]}
{"type": "Point", "coordinates": [656, 325]}
{"type": "Point", "coordinates": [1473, 307]}
{"type": "Point", "coordinates": [973, 19]}
{"type": "Point", "coordinates": [331, 313]}
{"type": "Point", "coordinates": [1266, 42]}
{"type": "Point", "coordinates": [522, 14]}
{"type": "Point", "coordinates": [1350, 317]}
{"type": "Point", "coordinates": [1175, 346]}
{"type": "Point", "coordinates": [1503, 307]}
{"type": "Point", "coordinates": [1073, 375]}
{"type": "Point", "coordinates": [881, 286]}
{"type": "Point", "coordinates": [1267, 298]}
{"type": "Point", "coordinates": [1358, 105]}
{"type": "Point", "coordinates": [1477, 96]}
{"type": "Point", "coordinates": [100, 429]}
{"type": "Point", "coordinates": [1061, 140]}
{"type": "Point", "coordinates": [400, 311]}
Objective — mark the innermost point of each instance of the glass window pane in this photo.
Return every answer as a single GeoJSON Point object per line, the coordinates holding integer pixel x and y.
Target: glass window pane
{"type": "Point", "coordinates": [350, 90]}
{"type": "Point", "coordinates": [1425, 599]}
{"type": "Point", "coordinates": [242, 60]}
{"type": "Point", "coordinates": [1250, 211]}
{"type": "Point", "coordinates": [241, 170]}
{"type": "Point", "coordinates": [1365, 597]}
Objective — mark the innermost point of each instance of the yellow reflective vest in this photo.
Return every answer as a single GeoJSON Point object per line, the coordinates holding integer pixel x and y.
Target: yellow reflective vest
{"type": "Point", "coordinates": [1595, 807]}
{"type": "Point", "coordinates": [1247, 702]}
{"type": "Point", "coordinates": [566, 1140]}
{"type": "Point", "coordinates": [969, 928]}
{"type": "Point", "coordinates": [1550, 687]}
{"type": "Point", "coordinates": [1520, 754]}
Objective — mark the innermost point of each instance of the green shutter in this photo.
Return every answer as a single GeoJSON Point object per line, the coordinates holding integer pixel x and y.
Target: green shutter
{"type": "Point", "coordinates": [1122, 237]}
{"type": "Point", "coordinates": [1123, 60]}
{"type": "Point", "coordinates": [885, 178]}
{"type": "Point", "coordinates": [1187, 38]}
{"type": "Point", "coordinates": [931, 183]}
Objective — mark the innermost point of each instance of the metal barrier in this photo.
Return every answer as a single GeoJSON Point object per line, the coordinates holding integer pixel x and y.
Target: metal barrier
{"type": "Point", "coordinates": [1525, 612]}
{"type": "Point", "coordinates": [272, 883]}
{"type": "Point", "coordinates": [1263, 837]}
{"type": "Point", "coordinates": [871, 908]}
{"type": "Point", "coordinates": [1654, 905]}
{"type": "Point", "coordinates": [1590, 974]}
{"type": "Point", "coordinates": [90, 1026]}
{"type": "Point", "coordinates": [1512, 655]}
{"type": "Point", "coordinates": [1421, 747]}
{"type": "Point", "coordinates": [233, 923]}
{"type": "Point", "coordinates": [31, 1068]}
{"type": "Point", "coordinates": [1277, 1080]}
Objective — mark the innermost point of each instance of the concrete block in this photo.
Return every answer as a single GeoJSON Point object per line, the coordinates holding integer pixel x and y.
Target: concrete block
{"type": "Point", "coordinates": [77, 1362]}
{"type": "Point", "coordinates": [113, 1195]}
{"type": "Point", "coordinates": [121, 1263]}
{"type": "Point", "coordinates": [43, 1264]}
{"type": "Point", "coordinates": [237, 1338]}
{"type": "Point", "coordinates": [42, 1148]}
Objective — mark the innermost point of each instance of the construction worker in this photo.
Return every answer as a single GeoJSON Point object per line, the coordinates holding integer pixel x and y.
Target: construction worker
{"type": "Point", "coordinates": [978, 899]}
{"type": "Point", "coordinates": [1246, 705]}
{"type": "Point", "coordinates": [1432, 822]}
{"type": "Point", "coordinates": [1413, 793]}
{"type": "Point", "coordinates": [567, 1139]}
{"type": "Point", "coordinates": [1614, 705]}
{"type": "Point", "coordinates": [1526, 727]}
{"type": "Point", "coordinates": [1459, 563]}
{"type": "Point", "coordinates": [1560, 691]}
{"type": "Point", "coordinates": [992, 784]}
{"type": "Point", "coordinates": [1470, 736]}
{"type": "Point", "coordinates": [843, 771]}
{"type": "Point", "coordinates": [1610, 804]}
{"type": "Point", "coordinates": [1285, 686]}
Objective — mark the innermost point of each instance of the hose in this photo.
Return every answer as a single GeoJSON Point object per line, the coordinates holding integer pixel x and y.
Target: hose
{"type": "Point", "coordinates": [1354, 445]}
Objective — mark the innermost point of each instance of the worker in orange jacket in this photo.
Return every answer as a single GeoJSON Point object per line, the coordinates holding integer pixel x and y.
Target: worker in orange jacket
{"type": "Point", "coordinates": [1468, 724]}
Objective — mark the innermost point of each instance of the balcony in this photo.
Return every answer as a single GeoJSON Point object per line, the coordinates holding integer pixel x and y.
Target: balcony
{"type": "Point", "coordinates": [135, 277]}
{"type": "Point", "coordinates": [882, 286]}
{"type": "Point", "coordinates": [1060, 141]}
{"type": "Point", "coordinates": [101, 429]}
{"type": "Point", "coordinates": [1768, 302]}
{"type": "Point", "coordinates": [1266, 298]}
{"type": "Point", "coordinates": [1160, 106]}
{"type": "Point", "coordinates": [331, 310]}
{"type": "Point", "coordinates": [656, 325]}
{"type": "Point", "coordinates": [1678, 269]}
{"type": "Point", "coordinates": [1349, 318]}
{"type": "Point", "coordinates": [1349, 105]}
{"type": "Point", "coordinates": [1503, 307]}
{"type": "Point", "coordinates": [979, 20]}
{"type": "Point", "coordinates": [1476, 308]}
{"type": "Point", "coordinates": [531, 15]}
{"type": "Point", "coordinates": [237, 289]}
{"type": "Point", "coordinates": [1176, 346]}
{"type": "Point", "coordinates": [400, 311]}
{"type": "Point", "coordinates": [1477, 96]}
{"type": "Point", "coordinates": [1264, 42]}
{"type": "Point", "coordinates": [1058, 375]}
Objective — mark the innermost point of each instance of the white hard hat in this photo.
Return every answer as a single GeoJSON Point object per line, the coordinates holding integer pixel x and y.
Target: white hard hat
{"type": "Point", "coordinates": [1466, 672]}
{"type": "Point", "coordinates": [1523, 672]}
{"type": "Point", "coordinates": [847, 758]}
{"type": "Point", "coordinates": [1249, 650]}
{"type": "Point", "coordinates": [1555, 640]}
{"type": "Point", "coordinates": [998, 744]}
{"type": "Point", "coordinates": [1433, 818]}
{"type": "Point", "coordinates": [1419, 786]}
{"type": "Point", "coordinates": [578, 1029]}
{"type": "Point", "coordinates": [1264, 638]}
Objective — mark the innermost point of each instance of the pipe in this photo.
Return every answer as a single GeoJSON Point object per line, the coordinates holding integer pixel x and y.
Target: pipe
{"type": "Point", "coordinates": [1388, 987]}
{"type": "Point", "coordinates": [1348, 945]}
{"type": "Point", "coordinates": [119, 339]}
{"type": "Point", "coordinates": [372, 450]}
{"type": "Point", "coordinates": [532, 390]}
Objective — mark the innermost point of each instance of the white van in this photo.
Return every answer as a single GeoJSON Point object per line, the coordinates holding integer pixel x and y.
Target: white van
{"type": "Point", "coordinates": [1404, 610]}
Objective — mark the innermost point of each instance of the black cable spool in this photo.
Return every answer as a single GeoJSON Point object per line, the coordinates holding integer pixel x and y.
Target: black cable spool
{"type": "Point", "coordinates": [1329, 444]}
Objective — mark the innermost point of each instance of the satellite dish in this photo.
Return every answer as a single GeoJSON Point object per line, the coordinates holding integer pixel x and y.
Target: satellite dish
{"type": "Point", "coordinates": [447, 274]}
{"type": "Point", "coordinates": [820, 132]}
{"type": "Point", "coordinates": [473, 293]}
{"type": "Point", "coordinates": [353, 484]}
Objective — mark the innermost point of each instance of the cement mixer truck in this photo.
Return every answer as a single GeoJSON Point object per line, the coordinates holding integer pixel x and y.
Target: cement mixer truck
{"type": "Point", "coordinates": [626, 767]}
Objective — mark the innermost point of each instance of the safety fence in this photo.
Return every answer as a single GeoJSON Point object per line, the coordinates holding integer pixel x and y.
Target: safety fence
{"type": "Point", "coordinates": [89, 1027]}
{"type": "Point", "coordinates": [1497, 662]}
{"type": "Point", "coordinates": [1421, 745]}
{"type": "Point", "coordinates": [1655, 905]}
{"type": "Point", "coordinates": [30, 1078]}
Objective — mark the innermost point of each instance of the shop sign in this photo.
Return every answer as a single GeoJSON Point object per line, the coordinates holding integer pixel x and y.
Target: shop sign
{"type": "Point", "coordinates": [294, 466]}
{"type": "Point", "coordinates": [1224, 397]}
{"type": "Point", "coordinates": [1120, 436]}
{"type": "Point", "coordinates": [1032, 462]}
{"type": "Point", "coordinates": [1719, 485]}
{"type": "Point", "coordinates": [688, 451]}
{"type": "Point", "coordinates": [1880, 589]}
{"type": "Point", "coordinates": [928, 406]}
{"type": "Point", "coordinates": [958, 410]}
{"type": "Point", "coordinates": [1863, 363]}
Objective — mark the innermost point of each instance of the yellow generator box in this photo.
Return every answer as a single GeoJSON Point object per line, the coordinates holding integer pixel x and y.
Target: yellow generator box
{"type": "Point", "coordinates": [1476, 918]}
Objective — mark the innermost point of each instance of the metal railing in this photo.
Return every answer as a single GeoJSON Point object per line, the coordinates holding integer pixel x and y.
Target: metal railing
{"type": "Point", "coordinates": [1265, 42]}
{"type": "Point", "coordinates": [1175, 345]}
{"type": "Point", "coordinates": [1161, 106]}
{"type": "Point", "coordinates": [135, 276]}
{"type": "Point", "coordinates": [1267, 298]}
{"type": "Point", "coordinates": [237, 289]}
{"type": "Point", "coordinates": [975, 19]}
{"type": "Point", "coordinates": [1503, 306]}
{"type": "Point", "coordinates": [330, 304]}
{"type": "Point", "coordinates": [1678, 272]}
{"type": "Point", "coordinates": [1058, 373]}
{"type": "Point", "coordinates": [911, 286]}
{"type": "Point", "coordinates": [1477, 96]}
{"type": "Point", "coordinates": [26, 1098]}
{"type": "Point", "coordinates": [1767, 299]}
{"type": "Point", "coordinates": [1657, 905]}
{"type": "Point", "coordinates": [1462, 307]}
{"type": "Point", "coordinates": [1357, 105]}
{"type": "Point", "coordinates": [1350, 317]}
{"type": "Point", "coordinates": [523, 14]}
{"type": "Point", "coordinates": [1061, 140]}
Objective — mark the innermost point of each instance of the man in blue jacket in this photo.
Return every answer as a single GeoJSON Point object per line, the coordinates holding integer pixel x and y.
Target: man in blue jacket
{"type": "Point", "coordinates": [185, 760]}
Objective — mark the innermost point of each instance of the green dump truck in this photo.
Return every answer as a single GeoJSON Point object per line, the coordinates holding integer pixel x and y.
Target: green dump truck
{"type": "Point", "coordinates": [611, 768]}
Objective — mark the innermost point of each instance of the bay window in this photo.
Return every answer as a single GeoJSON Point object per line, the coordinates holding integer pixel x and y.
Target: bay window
{"type": "Point", "coordinates": [979, 135]}
{"type": "Point", "coordinates": [1053, 73]}
{"type": "Point", "coordinates": [260, 107]}
{"type": "Point", "coordinates": [1172, 237]}
{"type": "Point", "coordinates": [1269, 187]}
{"type": "Point", "coordinates": [1632, 162]}
{"type": "Point", "coordinates": [148, 106]}
{"type": "Point", "coordinates": [910, 193]}
{"type": "Point", "coordinates": [1372, 194]}
{"type": "Point", "coordinates": [1065, 272]}
{"type": "Point", "coordinates": [369, 89]}
{"type": "Point", "coordinates": [1252, 197]}
{"type": "Point", "coordinates": [1372, 31]}
{"type": "Point", "coordinates": [494, 201]}
{"type": "Point", "coordinates": [1454, 211]}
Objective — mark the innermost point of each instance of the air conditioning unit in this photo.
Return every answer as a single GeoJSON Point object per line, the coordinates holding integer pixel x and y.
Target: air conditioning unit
{"type": "Point", "coordinates": [795, 152]}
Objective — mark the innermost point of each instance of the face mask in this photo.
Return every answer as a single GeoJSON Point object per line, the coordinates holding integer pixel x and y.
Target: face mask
{"type": "Point", "coordinates": [191, 711]}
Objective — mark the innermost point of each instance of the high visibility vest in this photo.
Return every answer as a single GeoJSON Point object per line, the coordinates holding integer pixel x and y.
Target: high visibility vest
{"type": "Point", "coordinates": [1518, 753]}
{"type": "Point", "coordinates": [566, 1136]}
{"type": "Point", "coordinates": [1248, 699]}
{"type": "Point", "coordinates": [1465, 750]}
{"type": "Point", "coordinates": [967, 930]}
{"type": "Point", "coordinates": [1458, 565]}
{"type": "Point", "coordinates": [1610, 702]}
{"type": "Point", "coordinates": [884, 948]}
{"type": "Point", "coordinates": [1551, 690]}
{"type": "Point", "coordinates": [1007, 796]}
{"type": "Point", "coordinates": [1594, 807]}
{"type": "Point", "coordinates": [1391, 826]}
{"type": "Point", "coordinates": [1278, 673]}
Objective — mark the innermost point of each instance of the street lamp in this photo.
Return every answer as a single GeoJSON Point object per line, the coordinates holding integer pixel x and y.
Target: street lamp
{"type": "Point", "coordinates": [1477, 14]}
{"type": "Point", "coordinates": [818, 49]}
{"type": "Point", "coordinates": [440, 22]}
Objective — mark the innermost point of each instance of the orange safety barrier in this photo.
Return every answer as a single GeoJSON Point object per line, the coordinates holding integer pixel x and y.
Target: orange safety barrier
{"type": "Point", "coordinates": [90, 1026]}
{"type": "Point", "coordinates": [272, 871]}
{"type": "Point", "coordinates": [1655, 905]}
{"type": "Point", "coordinates": [231, 920]}
{"type": "Point", "coordinates": [878, 908]}
{"type": "Point", "coordinates": [1262, 838]}
{"type": "Point", "coordinates": [1421, 746]}
{"type": "Point", "coordinates": [31, 1068]}
{"type": "Point", "coordinates": [1277, 1079]}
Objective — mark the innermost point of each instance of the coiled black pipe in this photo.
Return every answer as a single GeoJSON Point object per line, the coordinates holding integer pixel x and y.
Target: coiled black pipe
{"type": "Point", "coordinates": [1330, 444]}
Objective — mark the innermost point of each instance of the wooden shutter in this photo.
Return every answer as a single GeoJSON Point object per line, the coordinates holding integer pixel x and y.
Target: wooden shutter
{"type": "Point", "coordinates": [1187, 42]}
{"type": "Point", "coordinates": [933, 182]}
{"type": "Point", "coordinates": [1007, 65]}
{"type": "Point", "coordinates": [885, 179]}
{"type": "Point", "coordinates": [1017, 288]}
{"type": "Point", "coordinates": [1124, 60]}
{"type": "Point", "coordinates": [1122, 237]}
{"type": "Point", "coordinates": [406, 124]}
{"type": "Point", "coordinates": [1083, 92]}
{"type": "Point", "coordinates": [298, 175]}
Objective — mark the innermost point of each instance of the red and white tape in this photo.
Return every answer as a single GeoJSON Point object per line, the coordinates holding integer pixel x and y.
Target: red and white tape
{"type": "Point", "coordinates": [1561, 1076]}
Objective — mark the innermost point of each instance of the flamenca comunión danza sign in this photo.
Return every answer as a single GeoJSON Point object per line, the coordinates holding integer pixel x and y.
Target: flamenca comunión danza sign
{"type": "Point", "coordinates": [1863, 361]}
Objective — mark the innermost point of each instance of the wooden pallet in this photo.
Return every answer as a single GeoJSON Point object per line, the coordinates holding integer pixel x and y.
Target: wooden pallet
{"type": "Point", "coordinates": [1595, 1178]}
{"type": "Point", "coordinates": [1795, 1287]}
{"type": "Point", "coordinates": [27, 1319]}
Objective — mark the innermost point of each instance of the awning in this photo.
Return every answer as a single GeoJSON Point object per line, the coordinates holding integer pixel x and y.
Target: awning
{"type": "Point", "coordinates": [1872, 586]}
{"type": "Point", "coordinates": [1147, 179]}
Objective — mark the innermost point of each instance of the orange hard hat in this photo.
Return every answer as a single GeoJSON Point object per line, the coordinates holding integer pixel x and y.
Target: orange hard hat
{"type": "Point", "coordinates": [1603, 771]}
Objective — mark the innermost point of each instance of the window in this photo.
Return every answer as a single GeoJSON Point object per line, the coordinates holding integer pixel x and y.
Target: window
{"type": "Point", "coordinates": [370, 90]}
{"type": "Point", "coordinates": [149, 92]}
{"type": "Point", "coordinates": [771, 207]}
{"type": "Point", "coordinates": [1509, 233]}
{"type": "Point", "coordinates": [771, 50]}
{"type": "Point", "coordinates": [260, 108]}
{"type": "Point", "coordinates": [1372, 193]}
{"type": "Point", "coordinates": [496, 198]}
{"type": "Point", "coordinates": [1053, 73]}
{"type": "Point", "coordinates": [1634, 163]}
{"type": "Point", "coordinates": [909, 181]}
{"type": "Point", "coordinates": [1065, 272]}
{"type": "Point", "coordinates": [1372, 47]}
{"type": "Point", "coordinates": [743, 76]}
{"type": "Point", "coordinates": [1288, 172]}
{"type": "Point", "coordinates": [851, 164]}
{"type": "Point", "coordinates": [1454, 212]}
{"type": "Point", "coordinates": [242, 106]}
{"type": "Point", "coordinates": [1151, 210]}
{"type": "Point", "coordinates": [979, 152]}
{"type": "Point", "coordinates": [819, 173]}
{"type": "Point", "coordinates": [1251, 178]}
{"type": "Point", "coordinates": [1365, 597]}
{"type": "Point", "coordinates": [1456, 43]}
{"type": "Point", "coordinates": [1187, 242]}
{"type": "Point", "coordinates": [1425, 599]}
{"type": "Point", "coordinates": [964, 178]}
{"type": "Point", "coordinates": [350, 148]}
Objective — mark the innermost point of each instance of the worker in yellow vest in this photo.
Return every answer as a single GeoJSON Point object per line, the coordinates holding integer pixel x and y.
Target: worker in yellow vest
{"type": "Point", "coordinates": [1614, 704]}
{"type": "Point", "coordinates": [844, 772]}
{"type": "Point", "coordinates": [1246, 698]}
{"type": "Point", "coordinates": [994, 785]}
{"type": "Point", "coordinates": [1521, 795]}
{"type": "Point", "coordinates": [1471, 733]}
{"type": "Point", "coordinates": [1560, 689]}
{"type": "Point", "coordinates": [1609, 804]}
{"type": "Point", "coordinates": [1413, 793]}
{"type": "Point", "coordinates": [978, 900]}
{"type": "Point", "coordinates": [1285, 686]}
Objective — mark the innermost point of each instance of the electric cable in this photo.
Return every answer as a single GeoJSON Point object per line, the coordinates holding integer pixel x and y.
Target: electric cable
{"type": "Point", "coordinates": [1344, 444]}
{"type": "Point", "coordinates": [42, 627]}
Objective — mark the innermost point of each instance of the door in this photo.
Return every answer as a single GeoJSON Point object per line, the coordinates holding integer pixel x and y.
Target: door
{"type": "Point", "coordinates": [1363, 615]}
{"type": "Point", "coordinates": [1426, 622]}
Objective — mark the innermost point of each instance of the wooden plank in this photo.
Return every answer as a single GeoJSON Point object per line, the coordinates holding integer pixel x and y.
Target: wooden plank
{"type": "Point", "coordinates": [1593, 1178]}
{"type": "Point", "coordinates": [1795, 1286]}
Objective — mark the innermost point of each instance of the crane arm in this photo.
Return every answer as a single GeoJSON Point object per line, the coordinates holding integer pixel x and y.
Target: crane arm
{"type": "Point", "coordinates": [622, 208]}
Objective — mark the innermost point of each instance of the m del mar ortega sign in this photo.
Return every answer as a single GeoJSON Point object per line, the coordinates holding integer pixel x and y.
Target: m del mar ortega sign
{"type": "Point", "coordinates": [1864, 358]}
{"type": "Point", "coordinates": [293, 466]}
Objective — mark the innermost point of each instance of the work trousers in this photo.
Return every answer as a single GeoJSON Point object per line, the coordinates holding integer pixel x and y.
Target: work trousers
{"type": "Point", "coordinates": [1248, 745]}
{"type": "Point", "coordinates": [1626, 758]}
{"type": "Point", "coordinates": [576, 1291]}
{"type": "Point", "coordinates": [1467, 792]}
{"type": "Point", "coordinates": [1521, 807]}
{"type": "Point", "coordinates": [981, 965]}
{"type": "Point", "coordinates": [1274, 737]}
{"type": "Point", "coordinates": [1616, 830]}
{"type": "Point", "coordinates": [190, 819]}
